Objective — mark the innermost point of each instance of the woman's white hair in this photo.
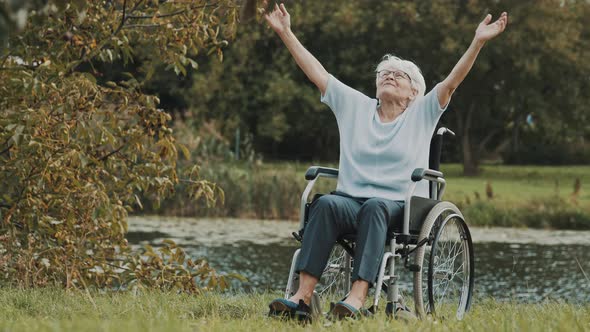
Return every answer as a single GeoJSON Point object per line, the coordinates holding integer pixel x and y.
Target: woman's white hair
{"type": "Point", "coordinates": [408, 67]}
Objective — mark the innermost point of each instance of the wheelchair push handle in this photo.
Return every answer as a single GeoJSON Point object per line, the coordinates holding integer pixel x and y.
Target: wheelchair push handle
{"type": "Point", "coordinates": [314, 171]}
{"type": "Point", "coordinates": [444, 130]}
{"type": "Point", "coordinates": [436, 147]}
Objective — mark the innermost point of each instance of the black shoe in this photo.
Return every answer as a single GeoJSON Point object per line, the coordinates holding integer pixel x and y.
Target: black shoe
{"type": "Point", "coordinates": [342, 310]}
{"type": "Point", "coordinates": [284, 308]}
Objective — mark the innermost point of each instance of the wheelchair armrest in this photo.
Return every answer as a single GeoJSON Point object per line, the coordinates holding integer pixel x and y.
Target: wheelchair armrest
{"type": "Point", "coordinates": [434, 177]}
{"type": "Point", "coordinates": [314, 171]}
{"type": "Point", "coordinates": [311, 176]}
{"type": "Point", "coordinates": [420, 173]}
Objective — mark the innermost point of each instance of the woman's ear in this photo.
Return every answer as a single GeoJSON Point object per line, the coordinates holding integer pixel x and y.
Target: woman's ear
{"type": "Point", "coordinates": [413, 95]}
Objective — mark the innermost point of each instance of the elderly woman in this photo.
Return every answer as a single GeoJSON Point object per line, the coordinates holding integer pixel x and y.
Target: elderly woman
{"type": "Point", "coordinates": [382, 141]}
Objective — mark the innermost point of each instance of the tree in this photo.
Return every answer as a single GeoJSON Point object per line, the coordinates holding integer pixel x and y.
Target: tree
{"type": "Point", "coordinates": [524, 71]}
{"type": "Point", "coordinates": [76, 151]}
{"type": "Point", "coordinates": [538, 65]}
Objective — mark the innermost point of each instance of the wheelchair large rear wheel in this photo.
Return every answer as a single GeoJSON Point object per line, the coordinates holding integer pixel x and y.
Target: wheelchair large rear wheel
{"type": "Point", "coordinates": [444, 285]}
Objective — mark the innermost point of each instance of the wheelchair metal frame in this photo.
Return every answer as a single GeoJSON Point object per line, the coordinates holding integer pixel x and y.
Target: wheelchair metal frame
{"type": "Point", "coordinates": [399, 245]}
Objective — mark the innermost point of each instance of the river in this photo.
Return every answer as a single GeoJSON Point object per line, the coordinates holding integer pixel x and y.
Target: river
{"type": "Point", "coordinates": [510, 264]}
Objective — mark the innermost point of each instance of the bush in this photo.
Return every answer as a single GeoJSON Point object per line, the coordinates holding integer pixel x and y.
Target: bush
{"type": "Point", "coordinates": [249, 191]}
{"type": "Point", "coordinates": [76, 153]}
{"type": "Point", "coordinates": [553, 212]}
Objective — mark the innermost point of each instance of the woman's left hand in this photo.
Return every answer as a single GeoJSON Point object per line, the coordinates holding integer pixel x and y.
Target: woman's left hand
{"type": "Point", "coordinates": [486, 30]}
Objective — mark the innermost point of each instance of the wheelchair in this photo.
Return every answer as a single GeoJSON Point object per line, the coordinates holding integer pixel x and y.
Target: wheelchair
{"type": "Point", "coordinates": [434, 243]}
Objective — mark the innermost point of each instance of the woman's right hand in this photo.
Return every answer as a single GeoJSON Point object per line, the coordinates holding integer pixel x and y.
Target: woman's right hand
{"type": "Point", "coordinates": [279, 19]}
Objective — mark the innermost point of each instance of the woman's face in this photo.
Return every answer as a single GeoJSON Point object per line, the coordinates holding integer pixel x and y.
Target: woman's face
{"type": "Point", "coordinates": [394, 85]}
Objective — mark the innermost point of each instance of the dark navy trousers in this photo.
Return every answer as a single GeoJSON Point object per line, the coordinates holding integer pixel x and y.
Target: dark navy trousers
{"type": "Point", "coordinates": [335, 215]}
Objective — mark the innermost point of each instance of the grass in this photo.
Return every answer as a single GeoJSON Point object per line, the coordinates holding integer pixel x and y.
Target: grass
{"type": "Point", "coordinates": [514, 186]}
{"type": "Point", "coordinates": [58, 310]}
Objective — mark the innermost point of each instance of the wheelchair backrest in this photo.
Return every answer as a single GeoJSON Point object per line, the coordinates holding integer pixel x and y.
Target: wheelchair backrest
{"type": "Point", "coordinates": [436, 150]}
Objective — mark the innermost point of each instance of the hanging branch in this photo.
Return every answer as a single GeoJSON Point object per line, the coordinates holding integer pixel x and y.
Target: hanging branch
{"type": "Point", "coordinates": [178, 12]}
{"type": "Point", "coordinates": [6, 150]}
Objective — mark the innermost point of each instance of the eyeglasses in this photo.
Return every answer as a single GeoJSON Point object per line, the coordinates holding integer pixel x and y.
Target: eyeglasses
{"type": "Point", "coordinates": [397, 74]}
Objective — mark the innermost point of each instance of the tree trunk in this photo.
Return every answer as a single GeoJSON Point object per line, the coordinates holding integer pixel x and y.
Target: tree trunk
{"type": "Point", "coordinates": [470, 156]}
{"type": "Point", "coordinates": [470, 160]}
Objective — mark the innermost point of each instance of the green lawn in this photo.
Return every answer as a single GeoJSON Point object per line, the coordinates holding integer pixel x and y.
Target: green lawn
{"type": "Point", "coordinates": [58, 310]}
{"type": "Point", "coordinates": [515, 185]}
{"type": "Point", "coordinates": [512, 185]}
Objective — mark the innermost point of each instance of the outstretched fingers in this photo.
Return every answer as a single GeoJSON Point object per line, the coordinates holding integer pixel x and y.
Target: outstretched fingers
{"type": "Point", "coordinates": [502, 21]}
{"type": "Point", "coordinates": [269, 15]}
{"type": "Point", "coordinates": [284, 10]}
{"type": "Point", "coordinates": [278, 18]}
{"type": "Point", "coordinates": [499, 24]}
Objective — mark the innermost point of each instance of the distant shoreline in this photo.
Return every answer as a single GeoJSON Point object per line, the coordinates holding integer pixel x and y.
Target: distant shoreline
{"type": "Point", "coordinates": [220, 231]}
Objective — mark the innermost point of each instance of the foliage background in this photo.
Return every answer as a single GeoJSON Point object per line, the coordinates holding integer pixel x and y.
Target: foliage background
{"type": "Point", "coordinates": [525, 100]}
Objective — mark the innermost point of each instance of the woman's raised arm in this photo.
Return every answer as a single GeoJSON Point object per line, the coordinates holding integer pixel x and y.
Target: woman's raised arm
{"type": "Point", "coordinates": [280, 21]}
{"type": "Point", "coordinates": [485, 31]}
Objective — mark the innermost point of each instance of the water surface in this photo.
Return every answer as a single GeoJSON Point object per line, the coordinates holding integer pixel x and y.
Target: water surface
{"type": "Point", "coordinates": [519, 264]}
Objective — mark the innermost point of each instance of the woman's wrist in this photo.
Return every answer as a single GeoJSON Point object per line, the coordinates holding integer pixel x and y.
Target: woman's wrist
{"type": "Point", "coordinates": [285, 32]}
{"type": "Point", "coordinates": [478, 42]}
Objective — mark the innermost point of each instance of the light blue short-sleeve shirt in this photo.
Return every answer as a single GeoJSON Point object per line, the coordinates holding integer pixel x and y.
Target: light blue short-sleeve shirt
{"type": "Point", "coordinates": [377, 159]}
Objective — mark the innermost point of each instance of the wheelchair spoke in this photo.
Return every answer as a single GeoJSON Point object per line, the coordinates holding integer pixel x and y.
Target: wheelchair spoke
{"type": "Point", "coordinates": [442, 295]}
{"type": "Point", "coordinates": [449, 262]}
{"type": "Point", "coordinates": [459, 272]}
{"type": "Point", "coordinates": [328, 286]}
{"type": "Point", "coordinates": [452, 284]}
{"type": "Point", "coordinates": [334, 275]}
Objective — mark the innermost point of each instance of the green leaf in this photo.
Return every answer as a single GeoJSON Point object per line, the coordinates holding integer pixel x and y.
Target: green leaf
{"type": "Point", "coordinates": [179, 69]}
{"type": "Point", "coordinates": [16, 138]}
{"type": "Point", "coordinates": [193, 63]}
{"type": "Point", "coordinates": [89, 77]}
{"type": "Point", "coordinates": [186, 153]}
{"type": "Point", "coordinates": [138, 201]}
{"type": "Point", "coordinates": [83, 160]}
